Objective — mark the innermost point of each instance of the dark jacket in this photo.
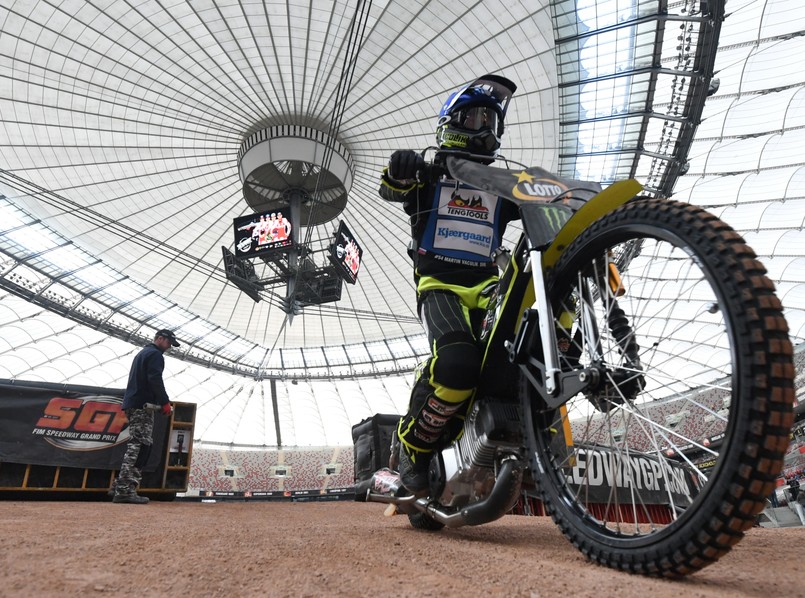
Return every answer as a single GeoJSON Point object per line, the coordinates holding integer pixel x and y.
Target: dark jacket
{"type": "Point", "coordinates": [145, 379]}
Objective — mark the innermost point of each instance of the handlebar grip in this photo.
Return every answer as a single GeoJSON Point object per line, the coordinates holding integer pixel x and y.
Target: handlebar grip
{"type": "Point", "coordinates": [433, 172]}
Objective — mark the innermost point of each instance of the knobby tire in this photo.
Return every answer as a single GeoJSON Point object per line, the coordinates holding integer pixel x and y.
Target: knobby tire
{"type": "Point", "coordinates": [753, 401]}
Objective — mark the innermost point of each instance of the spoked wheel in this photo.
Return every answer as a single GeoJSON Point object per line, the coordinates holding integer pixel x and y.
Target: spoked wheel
{"type": "Point", "coordinates": [662, 464]}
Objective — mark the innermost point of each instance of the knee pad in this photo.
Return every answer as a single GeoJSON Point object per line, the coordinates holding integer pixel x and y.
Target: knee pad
{"type": "Point", "coordinates": [457, 362]}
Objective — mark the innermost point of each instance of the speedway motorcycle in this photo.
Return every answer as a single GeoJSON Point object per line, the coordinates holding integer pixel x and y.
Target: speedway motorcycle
{"type": "Point", "coordinates": [637, 379]}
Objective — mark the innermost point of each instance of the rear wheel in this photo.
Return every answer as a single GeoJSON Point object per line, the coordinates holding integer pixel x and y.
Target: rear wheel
{"type": "Point", "coordinates": [662, 465]}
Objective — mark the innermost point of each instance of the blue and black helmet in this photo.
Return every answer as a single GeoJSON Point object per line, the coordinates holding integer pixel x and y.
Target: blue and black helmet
{"type": "Point", "coordinates": [472, 118]}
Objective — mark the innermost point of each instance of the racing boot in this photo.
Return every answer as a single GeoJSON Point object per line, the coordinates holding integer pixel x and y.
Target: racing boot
{"type": "Point", "coordinates": [418, 435]}
{"type": "Point", "coordinates": [413, 468]}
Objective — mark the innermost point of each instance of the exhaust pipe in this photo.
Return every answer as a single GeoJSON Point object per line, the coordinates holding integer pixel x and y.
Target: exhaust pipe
{"type": "Point", "coordinates": [496, 505]}
{"type": "Point", "coordinates": [503, 495]}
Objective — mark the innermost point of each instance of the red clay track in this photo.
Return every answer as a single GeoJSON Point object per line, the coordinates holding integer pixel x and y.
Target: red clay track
{"type": "Point", "coordinates": [337, 549]}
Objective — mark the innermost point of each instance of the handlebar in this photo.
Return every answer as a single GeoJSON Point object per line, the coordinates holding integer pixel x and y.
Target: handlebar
{"type": "Point", "coordinates": [434, 170]}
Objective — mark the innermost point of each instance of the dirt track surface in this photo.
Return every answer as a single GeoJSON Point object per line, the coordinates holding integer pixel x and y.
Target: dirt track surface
{"type": "Point", "coordinates": [337, 549]}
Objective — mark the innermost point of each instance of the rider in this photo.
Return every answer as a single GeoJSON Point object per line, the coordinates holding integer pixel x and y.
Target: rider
{"type": "Point", "coordinates": [454, 230]}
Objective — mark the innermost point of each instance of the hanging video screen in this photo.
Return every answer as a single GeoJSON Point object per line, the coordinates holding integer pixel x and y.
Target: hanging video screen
{"type": "Point", "coordinates": [346, 254]}
{"type": "Point", "coordinates": [262, 232]}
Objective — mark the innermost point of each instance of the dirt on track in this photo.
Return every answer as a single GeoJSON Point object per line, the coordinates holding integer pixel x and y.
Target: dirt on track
{"type": "Point", "coordinates": [337, 549]}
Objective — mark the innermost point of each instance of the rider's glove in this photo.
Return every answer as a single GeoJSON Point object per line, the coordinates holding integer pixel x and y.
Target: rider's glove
{"type": "Point", "coordinates": [167, 409]}
{"type": "Point", "coordinates": [404, 165]}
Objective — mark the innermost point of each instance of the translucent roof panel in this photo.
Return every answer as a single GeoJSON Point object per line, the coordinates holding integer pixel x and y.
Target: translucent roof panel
{"type": "Point", "coordinates": [745, 161]}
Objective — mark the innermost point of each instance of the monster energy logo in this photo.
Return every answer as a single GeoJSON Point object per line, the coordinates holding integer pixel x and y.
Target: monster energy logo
{"type": "Point", "coordinates": [555, 218]}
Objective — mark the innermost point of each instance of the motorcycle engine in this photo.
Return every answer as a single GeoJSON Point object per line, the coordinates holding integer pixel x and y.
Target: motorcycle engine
{"type": "Point", "coordinates": [468, 466]}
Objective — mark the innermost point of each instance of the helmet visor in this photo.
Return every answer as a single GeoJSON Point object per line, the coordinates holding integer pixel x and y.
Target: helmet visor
{"type": "Point", "coordinates": [497, 88]}
{"type": "Point", "coordinates": [477, 118]}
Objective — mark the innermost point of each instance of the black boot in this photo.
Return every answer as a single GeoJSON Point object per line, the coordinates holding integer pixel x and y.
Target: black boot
{"type": "Point", "coordinates": [134, 499]}
{"type": "Point", "coordinates": [414, 470]}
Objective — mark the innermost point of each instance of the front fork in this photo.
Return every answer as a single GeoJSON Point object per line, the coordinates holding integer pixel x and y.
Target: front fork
{"type": "Point", "coordinates": [554, 385]}
{"type": "Point", "coordinates": [547, 330]}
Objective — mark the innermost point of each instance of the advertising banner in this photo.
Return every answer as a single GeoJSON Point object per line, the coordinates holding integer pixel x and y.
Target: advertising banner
{"type": "Point", "coordinates": [69, 426]}
{"type": "Point", "coordinates": [600, 470]}
{"type": "Point", "coordinates": [295, 495]}
{"type": "Point", "coordinates": [260, 233]}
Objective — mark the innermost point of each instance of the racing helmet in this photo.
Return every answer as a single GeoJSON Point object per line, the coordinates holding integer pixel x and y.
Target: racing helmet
{"type": "Point", "coordinates": [472, 118]}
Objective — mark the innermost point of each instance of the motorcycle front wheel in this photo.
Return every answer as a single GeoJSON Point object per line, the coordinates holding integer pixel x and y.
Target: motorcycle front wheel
{"type": "Point", "coordinates": [661, 465]}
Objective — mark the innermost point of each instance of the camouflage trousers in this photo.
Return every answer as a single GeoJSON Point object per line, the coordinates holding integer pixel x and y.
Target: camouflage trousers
{"type": "Point", "coordinates": [141, 432]}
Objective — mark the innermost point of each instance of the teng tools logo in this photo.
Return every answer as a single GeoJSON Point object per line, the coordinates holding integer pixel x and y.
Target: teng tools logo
{"type": "Point", "coordinates": [468, 207]}
{"type": "Point", "coordinates": [83, 424]}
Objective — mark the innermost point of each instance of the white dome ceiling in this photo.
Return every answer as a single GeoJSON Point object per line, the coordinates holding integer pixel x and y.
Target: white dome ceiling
{"type": "Point", "coordinates": [122, 124]}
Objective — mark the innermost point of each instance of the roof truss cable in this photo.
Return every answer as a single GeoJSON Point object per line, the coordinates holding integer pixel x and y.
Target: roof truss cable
{"type": "Point", "coordinates": [353, 46]}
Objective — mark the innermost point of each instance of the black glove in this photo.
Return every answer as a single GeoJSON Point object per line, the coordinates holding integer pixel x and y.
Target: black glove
{"type": "Point", "coordinates": [404, 165]}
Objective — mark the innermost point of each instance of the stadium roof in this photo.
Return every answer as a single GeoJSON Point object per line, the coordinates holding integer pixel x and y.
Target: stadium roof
{"type": "Point", "coordinates": [122, 126]}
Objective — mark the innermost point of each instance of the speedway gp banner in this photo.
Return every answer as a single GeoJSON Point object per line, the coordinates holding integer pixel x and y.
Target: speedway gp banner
{"type": "Point", "coordinates": [70, 426]}
{"type": "Point", "coordinates": [598, 471]}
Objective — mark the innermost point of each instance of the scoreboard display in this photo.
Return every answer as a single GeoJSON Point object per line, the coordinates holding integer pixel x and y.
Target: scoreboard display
{"type": "Point", "coordinates": [346, 254]}
{"type": "Point", "coordinates": [262, 233]}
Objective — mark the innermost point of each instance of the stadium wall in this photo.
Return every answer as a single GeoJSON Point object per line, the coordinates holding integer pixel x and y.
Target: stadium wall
{"type": "Point", "coordinates": [322, 470]}
{"type": "Point", "coordinates": [244, 472]}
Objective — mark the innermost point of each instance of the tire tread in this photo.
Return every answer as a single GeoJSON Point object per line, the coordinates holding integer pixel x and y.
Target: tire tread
{"type": "Point", "coordinates": [766, 346]}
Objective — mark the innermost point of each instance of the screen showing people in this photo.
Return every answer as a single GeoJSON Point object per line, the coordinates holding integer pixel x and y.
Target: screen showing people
{"type": "Point", "coordinates": [258, 233]}
{"type": "Point", "coordinates": [346, 254]}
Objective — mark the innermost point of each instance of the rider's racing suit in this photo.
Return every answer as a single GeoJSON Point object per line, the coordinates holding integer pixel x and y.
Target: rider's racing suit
{"type": "Point", "coordinates": [454, 229]}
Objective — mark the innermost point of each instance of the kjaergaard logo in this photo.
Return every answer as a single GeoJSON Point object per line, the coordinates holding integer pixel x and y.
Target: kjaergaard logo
{"type": "Point", "coordinates": [83, 424]}
{"type": "Point", "coordinates": [448, 233]}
